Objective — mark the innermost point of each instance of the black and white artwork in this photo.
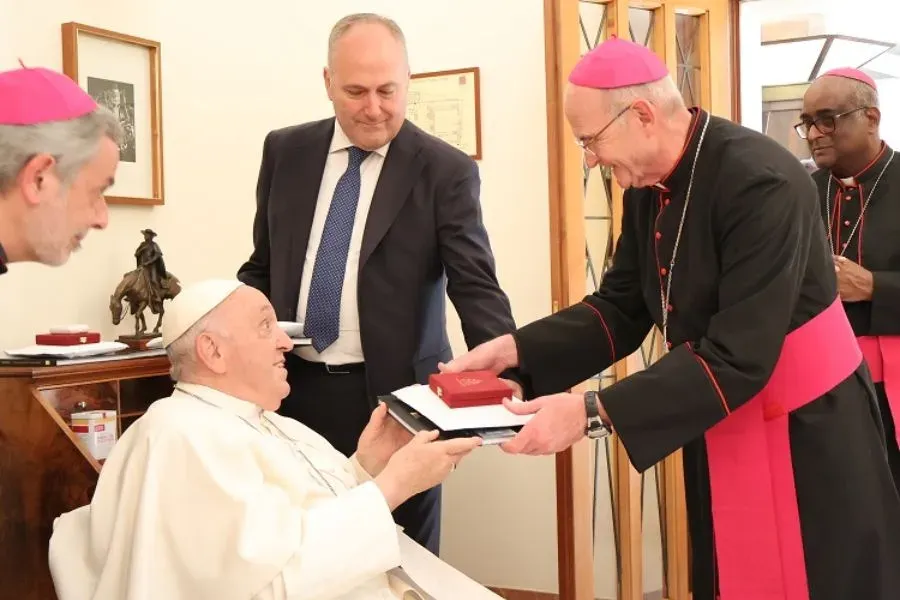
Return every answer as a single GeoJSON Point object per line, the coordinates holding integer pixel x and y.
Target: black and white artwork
{"type": "Point", "coordinates": [118, 97]}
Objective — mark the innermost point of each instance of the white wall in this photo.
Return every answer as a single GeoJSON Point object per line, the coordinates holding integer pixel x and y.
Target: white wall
{"type": "Point", "coordinates": [229, 76]}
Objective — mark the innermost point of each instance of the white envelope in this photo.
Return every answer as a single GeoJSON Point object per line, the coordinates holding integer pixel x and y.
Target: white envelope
{"type": "Point", "coordinates": [76, 351]}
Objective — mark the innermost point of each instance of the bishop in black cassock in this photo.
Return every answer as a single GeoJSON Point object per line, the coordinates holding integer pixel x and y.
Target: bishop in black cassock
{"type": "Point", "coordinates": [859, 199]}
{"type": "Point", "coordinates": [764, 386]}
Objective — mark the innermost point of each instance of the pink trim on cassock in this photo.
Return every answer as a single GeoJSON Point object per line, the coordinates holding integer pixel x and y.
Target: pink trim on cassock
{"type": "Point", "coordinates": [882, 354]}
{"type": "Point", "coordinates": [756, 522]}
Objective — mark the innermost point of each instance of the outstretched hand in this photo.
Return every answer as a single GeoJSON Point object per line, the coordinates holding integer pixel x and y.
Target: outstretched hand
{"type": "Point", "coordinates": [497, 355]}
{"type": "Point", "coordinates": [559, 421]}
{"type": "Point", "coordinates": [421, 464]}
{"type": "Point", "coordinates": [381, 438]}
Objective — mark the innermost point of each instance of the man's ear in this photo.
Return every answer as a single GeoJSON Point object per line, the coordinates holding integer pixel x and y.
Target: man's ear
{"type": "Point", "coordinates": [209, 353]}
{"type": "Point", "coordinates": [873, 115]}
{"type": "Point", "coordinates": [326, 77]}
{"type": "Point", "coordinates": [644, 112]}
{"type": "Point", "coordinates": [33, 176]}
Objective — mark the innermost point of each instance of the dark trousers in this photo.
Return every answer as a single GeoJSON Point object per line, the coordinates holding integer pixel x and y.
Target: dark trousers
{"type": "Point", "coordinates": [890, 429]}
{"type": "Point", "coordinates": [336, 405]}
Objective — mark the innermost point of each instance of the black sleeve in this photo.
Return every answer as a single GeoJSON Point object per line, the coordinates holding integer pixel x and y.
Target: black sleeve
{"type": "Point", "coordinates": [764, 230]}
{"type": "Point", "coordinates": [465, 251]}
{"type": "Point", "coordinates": [255, 272]}
{"type": "Point", "coordinates": [885, 303]}
{"type": "Point", "coordinates": [565, 348]}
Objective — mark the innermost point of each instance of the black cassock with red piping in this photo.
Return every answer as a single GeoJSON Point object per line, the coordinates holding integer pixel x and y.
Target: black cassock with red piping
{"type": "Point", "coordinates": [752, 265]}
{"type": "Point", "coordinates": [864, 216]}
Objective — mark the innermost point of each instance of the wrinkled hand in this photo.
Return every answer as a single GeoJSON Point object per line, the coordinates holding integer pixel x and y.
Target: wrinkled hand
{"type": "Point", "coordinates": [421, 464]}
{"type": "Point", "coordinates": [855, 283]}
{"type": "Point", "coordinates": [497, 355]}
{"type": "Point", "coordinates": [381, 438]}
{"type": "Point", "coordinates": [558, 422]}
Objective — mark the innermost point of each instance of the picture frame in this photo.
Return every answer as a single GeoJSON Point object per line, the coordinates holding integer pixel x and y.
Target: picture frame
{"type": "Point", "coordinates": [447, 104]}
{"type": "Point", "coordinates": [122, 72]}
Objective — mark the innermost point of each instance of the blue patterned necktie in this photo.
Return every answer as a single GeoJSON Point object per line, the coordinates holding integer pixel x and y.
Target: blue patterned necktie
{"type": "Point", "coordinates": [323, 307]}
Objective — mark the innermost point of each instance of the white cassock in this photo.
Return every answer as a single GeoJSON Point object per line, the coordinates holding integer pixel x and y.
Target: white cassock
{"type": "Point", "coordinates": [207, 497]}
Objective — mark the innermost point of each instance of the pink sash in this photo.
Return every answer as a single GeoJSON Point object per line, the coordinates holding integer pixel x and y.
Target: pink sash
{"type": "Point", "coordinates": [756, 522]}
{"type": "Point", "coordinates": [883, 357]}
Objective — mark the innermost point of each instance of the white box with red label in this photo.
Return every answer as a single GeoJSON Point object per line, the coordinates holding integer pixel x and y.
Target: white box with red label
{"type": "Point", "coordinates": [97, 431]}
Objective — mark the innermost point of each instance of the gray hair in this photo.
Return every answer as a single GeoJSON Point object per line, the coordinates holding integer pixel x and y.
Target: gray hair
{"type": "Point", "coordinates": [73, 143]}
{"type": "Point", "coordinates": [182, 354]}
{"type": "Point", "coordinates": [860, 94]}
{"type": "Point", "coordinates": [345, 24]}
{"type": "Point", "coordinates": [661, 93]}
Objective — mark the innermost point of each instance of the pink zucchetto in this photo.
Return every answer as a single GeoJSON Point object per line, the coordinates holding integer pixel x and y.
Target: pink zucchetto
{"type": "Point", "coordinates": [850, 73]}
{"type": "Point", "coordinates": [617, 63]}
{"type": "Point", "coordinates": [29, 96]}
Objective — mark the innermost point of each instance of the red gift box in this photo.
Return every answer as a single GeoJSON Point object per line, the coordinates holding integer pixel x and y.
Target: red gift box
{"type": "Point", "coordinates": [67, 339]}
{"type": "Point", "coordinates": [470, 388]}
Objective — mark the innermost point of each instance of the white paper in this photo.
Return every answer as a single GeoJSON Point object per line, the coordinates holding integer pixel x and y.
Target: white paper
{"type": "Point", "coordinates": [421, 399]}
{"type": "Point", "coordinates": [292, 328]}
{"type": "Point", "coordinates": [436, 577]}
{"type": "Point", "coordinates": [76, 351]}
{"type": "Point", "coordinates": [76, 328]}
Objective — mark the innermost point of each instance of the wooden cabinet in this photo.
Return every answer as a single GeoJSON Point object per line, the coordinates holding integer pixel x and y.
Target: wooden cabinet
{"type": "Point", "coordinates": [44, 469]}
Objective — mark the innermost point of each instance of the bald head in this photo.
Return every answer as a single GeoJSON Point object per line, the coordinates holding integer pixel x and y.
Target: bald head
{"type": "Point", "coordinates": [842, 118]}
{"type": "Point", "coordinates": [354, 21]}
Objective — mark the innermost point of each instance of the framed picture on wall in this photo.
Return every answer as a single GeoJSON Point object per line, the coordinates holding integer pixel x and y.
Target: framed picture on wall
{"type": "Point", "coordinates": [447, 104]}
{"type": "Point", "coordinates": [122, 72]}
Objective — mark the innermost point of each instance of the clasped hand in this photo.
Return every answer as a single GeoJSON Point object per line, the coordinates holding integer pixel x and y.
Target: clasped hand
{"type": "Point", "coordinates": [855, 283]}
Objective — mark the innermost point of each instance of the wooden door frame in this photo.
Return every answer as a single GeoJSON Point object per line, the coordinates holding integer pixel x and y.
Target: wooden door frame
{"type": "Point", "coordinates": [567, 243]}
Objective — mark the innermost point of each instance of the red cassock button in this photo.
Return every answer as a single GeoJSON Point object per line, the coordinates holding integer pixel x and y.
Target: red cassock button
{"type": "Point", "coordinates": [666, 201]}
{"type": "Point", "coordinates": [658, 235]}
{"type": "Point", "coordinates": [848, 197]}
{"type": "Point", "coordinates": [669, 345]}
{"type": "Point", "coordinates": [846, 223]}
{"type": "Point", "coordinates": [663, 271]}
{"type": "Point", "coordinates": [670, 308]}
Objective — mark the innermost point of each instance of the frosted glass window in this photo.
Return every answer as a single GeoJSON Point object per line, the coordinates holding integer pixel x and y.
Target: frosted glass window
{"type": "Point", "coordinates": [789, 62]}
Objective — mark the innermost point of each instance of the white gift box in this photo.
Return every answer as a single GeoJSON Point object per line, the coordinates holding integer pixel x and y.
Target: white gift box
{"type": "Point", "coordinates": [97, 431]}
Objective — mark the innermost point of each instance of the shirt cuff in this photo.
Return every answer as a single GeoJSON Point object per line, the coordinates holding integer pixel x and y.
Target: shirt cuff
{"type": "Point", "coordinates": [361, 474]}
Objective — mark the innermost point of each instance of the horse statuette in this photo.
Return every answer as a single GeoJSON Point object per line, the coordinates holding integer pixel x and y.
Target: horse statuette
{"type": "Point", "coordinates": [147, 286]}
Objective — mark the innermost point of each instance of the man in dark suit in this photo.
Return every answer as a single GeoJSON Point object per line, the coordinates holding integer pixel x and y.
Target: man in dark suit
{"type": "Point", "coordinates": [363, 221]}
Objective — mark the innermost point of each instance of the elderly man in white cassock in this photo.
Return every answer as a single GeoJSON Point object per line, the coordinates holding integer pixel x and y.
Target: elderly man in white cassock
{"type": "Point", "coordinates": [202, 497]}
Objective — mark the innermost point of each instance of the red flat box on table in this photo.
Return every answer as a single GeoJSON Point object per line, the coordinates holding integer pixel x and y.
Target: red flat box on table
{"type": "Point", "coordinates": [471, 388]}
{"type": "Point", "coordinates": [67, 339]}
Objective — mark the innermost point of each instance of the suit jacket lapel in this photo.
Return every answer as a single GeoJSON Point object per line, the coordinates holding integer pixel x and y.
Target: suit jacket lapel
{"type": "Point", "coordinates": [304, 167]}
{"type": "Point", "coordinates": [400, 171]}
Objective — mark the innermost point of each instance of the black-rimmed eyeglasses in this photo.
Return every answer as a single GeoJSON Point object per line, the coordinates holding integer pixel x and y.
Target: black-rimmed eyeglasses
{"type": "Point", "coordinates": [825, 124]}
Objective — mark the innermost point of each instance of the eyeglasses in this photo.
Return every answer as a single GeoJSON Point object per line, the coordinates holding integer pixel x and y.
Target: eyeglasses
{"type": "Point", "coordinates": [825, 124]}
{"type": "Point", "coordinates": [585, 144]}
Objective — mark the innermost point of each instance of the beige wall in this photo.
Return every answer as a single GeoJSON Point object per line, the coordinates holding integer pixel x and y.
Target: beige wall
{"type": "Point", "coordinates": [229, 76]}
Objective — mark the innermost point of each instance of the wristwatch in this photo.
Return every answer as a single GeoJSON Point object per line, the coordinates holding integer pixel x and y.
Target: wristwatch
{"type": "Point", "coordinates": [596, 428]}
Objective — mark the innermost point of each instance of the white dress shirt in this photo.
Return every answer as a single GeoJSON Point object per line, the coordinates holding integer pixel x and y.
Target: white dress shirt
{"type": "Point", "coordinates": [348, 347]}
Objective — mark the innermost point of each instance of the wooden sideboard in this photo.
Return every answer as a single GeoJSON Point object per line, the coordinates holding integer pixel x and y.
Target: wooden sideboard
{"type": "Point", "coordinates": [45, 470]}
